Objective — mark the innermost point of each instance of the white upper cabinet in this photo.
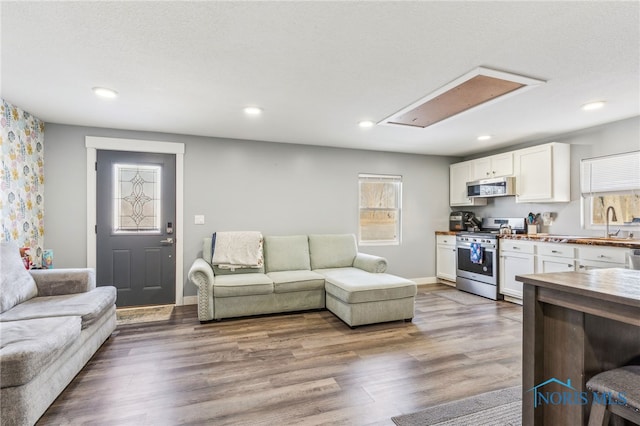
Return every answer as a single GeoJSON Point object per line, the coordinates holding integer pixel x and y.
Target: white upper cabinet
{"type": "Point", "coordinates": [543, 173]}
{"type": "Point", "coordinates": [459, 175]}
{"type": "Point", "coordinates": [494, 166]}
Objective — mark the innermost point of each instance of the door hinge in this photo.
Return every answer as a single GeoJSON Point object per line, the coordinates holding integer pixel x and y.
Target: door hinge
{"type": "Point", "coordinates": [96, 165]}
{"type": "Point", "coordinates": [96, 229]}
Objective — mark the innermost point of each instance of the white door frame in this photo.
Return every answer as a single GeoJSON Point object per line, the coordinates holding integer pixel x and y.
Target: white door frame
{"type": "Point", "coordinates": [93, 144]}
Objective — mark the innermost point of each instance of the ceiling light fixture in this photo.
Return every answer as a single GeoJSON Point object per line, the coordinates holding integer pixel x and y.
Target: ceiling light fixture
{"type": "Point", "coordinates": [365, 124]}
{"type": "Point", "coordinates": [484, 137]}
{"type": "Point", "coordinates": [590, 106]}
{"type": "Point", "coordinates": [480, 86]}
{"type": "Point", "coordinates": [105, 92]}
{"type": "Point", "coordinates": [253, 110]}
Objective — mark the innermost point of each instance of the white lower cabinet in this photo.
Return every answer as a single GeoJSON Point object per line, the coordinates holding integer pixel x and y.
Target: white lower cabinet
{"type": "Point", "coordinates": [554, 257]}
{"type": "Point", "coordinates": [446, 257]}
{"type": "Point", "coordinates": [598, 257]}
{"type": "Point", "coordinates": [516, 258]}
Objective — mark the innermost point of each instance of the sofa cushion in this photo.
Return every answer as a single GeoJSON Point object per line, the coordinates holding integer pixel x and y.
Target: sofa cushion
{"type": "Point", "coordinates": [27, 347]}
{"type": "Point", "coordinates": [89, 305]}
{"type": "Point", "coordinates": [286, 253]}
{"type": "Point", "coordinates": [353, 285]}
{"type": "Point", "coordinates": [16, 284]}
{"type": "Point", "coordinates": [332, 250]}
{"type": "Point", "coordinates": [290, 281]}
{"type": "Point", "coordinates": [241, 285]}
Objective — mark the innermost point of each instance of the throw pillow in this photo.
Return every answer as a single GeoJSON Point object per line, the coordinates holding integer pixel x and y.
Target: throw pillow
{"type": "Point", "coordinates": [16, 283]}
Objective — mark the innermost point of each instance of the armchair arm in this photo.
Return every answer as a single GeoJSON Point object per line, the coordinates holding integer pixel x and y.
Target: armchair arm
{"type": "Point", "coordinates": [370, 263]}
{"type": "Point", "coordinates": [55, 282]}
{"type": "Point", "coordinates": [201, 275]}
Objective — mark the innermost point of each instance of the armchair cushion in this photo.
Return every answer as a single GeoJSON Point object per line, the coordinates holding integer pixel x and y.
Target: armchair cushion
{"type": "Point", "coordinates": [16, 284]}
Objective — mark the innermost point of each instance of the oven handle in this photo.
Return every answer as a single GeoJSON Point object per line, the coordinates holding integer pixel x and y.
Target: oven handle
{"type": "Point", "coordinates": [483, 245]}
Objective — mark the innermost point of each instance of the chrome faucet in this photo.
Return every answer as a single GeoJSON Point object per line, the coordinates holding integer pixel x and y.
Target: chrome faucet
{"type": "Point", "coordinates": [613, 218]}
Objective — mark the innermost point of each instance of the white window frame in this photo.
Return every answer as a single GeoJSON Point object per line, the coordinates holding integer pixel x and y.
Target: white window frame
{"type": "Point", "coordinates": [380, 178]}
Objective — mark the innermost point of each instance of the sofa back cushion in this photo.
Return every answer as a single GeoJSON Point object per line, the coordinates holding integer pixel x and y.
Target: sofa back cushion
{"type": "Point", "coordinates": [16, 283]}
{"type": "Point", "coordinates": [286, 253]}
{"type": "Point", "coordinates": [332, 250]}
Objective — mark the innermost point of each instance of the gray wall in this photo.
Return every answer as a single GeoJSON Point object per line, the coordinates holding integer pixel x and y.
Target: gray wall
{"type": "Point", "coordinates": [278, 189]}
{"type": "Point", "coordinates": [613, 138]}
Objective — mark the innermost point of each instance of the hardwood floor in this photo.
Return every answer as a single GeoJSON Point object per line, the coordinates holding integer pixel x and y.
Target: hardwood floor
{"type": "Point", "coordinates": [304, 368]}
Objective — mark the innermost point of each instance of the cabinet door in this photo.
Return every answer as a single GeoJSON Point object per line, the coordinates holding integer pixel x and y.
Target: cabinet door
{"type": "Point", "coordinates": [459, 175]}
{"type": "Point", "coordinates": [533, 169]}
{"type": "Point", "coordinates": [502, 165]}
{"type": "Point", "coordinates": [555, 264]}
{"type": "Point", "coordinates": [481, 168]}
{"type": "Point", "coordinates": [446, 262]}
{"type": "Point", "coordinates": [512, 264]}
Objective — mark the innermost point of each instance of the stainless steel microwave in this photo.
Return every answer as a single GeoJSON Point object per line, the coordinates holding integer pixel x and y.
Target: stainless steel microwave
{"type": "Point", "coordinates": [495, 187]}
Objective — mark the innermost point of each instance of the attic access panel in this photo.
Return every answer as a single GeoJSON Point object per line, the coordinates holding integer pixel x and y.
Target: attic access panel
{"type": "Point", "coordinates": [476, 88]}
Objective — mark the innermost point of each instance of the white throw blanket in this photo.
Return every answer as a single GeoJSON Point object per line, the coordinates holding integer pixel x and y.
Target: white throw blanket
{"type": "Point", "coordinates": [242, 249]}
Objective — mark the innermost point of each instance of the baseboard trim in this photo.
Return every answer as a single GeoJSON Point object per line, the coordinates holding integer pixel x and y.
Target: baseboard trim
{"type": "Point", "coordinates": [425, 280]}
{"type": "Point", "coordinates": [190, 300]}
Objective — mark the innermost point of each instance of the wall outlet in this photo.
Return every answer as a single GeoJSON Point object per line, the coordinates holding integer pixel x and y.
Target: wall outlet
{"type": "Point", "coordinates": [198, 219]}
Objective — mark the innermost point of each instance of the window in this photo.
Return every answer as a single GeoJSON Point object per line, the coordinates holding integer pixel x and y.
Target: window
{"type": "Point", "coordinates": [380, 209]}
{"type": "Point", "coordinates": [136, 206]}
{"type": "Point", "coordinates": [611, 181]}
{"type": "Point", "coordinates": [626, 208]}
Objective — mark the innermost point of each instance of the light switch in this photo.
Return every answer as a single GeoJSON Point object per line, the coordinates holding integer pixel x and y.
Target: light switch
{"type": "Point", "coordinates": [198, 219]}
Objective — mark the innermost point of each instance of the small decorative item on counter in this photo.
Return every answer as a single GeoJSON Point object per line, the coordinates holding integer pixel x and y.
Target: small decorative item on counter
{"type": "Point", "coordinates": [533, 223]}
{"type": "Point", "coordinates": [47, 259]}
{"type": "Point", "coordinates": [26, 257]}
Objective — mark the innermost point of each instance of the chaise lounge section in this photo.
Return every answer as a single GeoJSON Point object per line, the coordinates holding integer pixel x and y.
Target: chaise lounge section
{"type": "Point", "coordinates": [303, 272]}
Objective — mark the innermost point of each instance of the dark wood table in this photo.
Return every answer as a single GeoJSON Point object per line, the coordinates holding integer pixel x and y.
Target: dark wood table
{"type": "Point", "coordinates": [575, 325]}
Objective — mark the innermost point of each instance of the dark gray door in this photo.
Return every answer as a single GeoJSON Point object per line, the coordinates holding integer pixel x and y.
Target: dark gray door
{"type": "Point", "coordinates": [136, 203]}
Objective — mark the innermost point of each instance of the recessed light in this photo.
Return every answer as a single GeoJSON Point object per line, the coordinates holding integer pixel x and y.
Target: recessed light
{"type": "Point", "coordinates": [484, 137]}
{"type": "Point", "coordinates": [105, 92]}
{"type": "Point", "coordinates": [593, 105]}
{"type": "Point", "coordinates": [365, 123]}
{"type": "Point", "coordinates": [253, 110]}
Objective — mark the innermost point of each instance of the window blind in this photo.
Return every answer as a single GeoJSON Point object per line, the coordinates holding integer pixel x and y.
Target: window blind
{"type": "Point", "coordinates": [618, 173]}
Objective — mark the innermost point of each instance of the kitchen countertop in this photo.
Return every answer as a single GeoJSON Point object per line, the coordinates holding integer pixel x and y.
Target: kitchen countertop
{"type": "Point", "coordinates": [566, 239]}
{"type": "Point", "coordinates": [575, 325]}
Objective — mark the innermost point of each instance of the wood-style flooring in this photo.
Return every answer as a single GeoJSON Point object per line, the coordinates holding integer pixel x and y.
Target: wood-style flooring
{"type": "Point", "coordinates": [304, 368]}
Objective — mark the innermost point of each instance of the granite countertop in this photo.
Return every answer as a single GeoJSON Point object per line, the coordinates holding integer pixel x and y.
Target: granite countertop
{"type": "Point", "coordinates": [566, 239]}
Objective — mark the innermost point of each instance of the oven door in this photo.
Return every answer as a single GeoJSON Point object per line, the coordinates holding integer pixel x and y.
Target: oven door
{"type": "Point", "coordinates": [485, 272]}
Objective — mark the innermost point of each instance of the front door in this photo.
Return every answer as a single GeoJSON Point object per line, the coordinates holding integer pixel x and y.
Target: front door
{"type": "Point", "coordinates": [136, 203]}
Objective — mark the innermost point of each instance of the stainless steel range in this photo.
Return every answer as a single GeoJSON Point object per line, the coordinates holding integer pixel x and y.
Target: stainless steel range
{"type": "Point", "coordinates": [477, 256]}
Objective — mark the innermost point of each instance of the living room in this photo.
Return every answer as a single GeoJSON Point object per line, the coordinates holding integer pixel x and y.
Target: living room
{"type": "Point", "coordinates": [240, 174]}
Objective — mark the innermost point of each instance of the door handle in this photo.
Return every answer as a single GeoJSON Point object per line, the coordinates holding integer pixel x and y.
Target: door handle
{"type": "Point", "coordinates": [168, 241]}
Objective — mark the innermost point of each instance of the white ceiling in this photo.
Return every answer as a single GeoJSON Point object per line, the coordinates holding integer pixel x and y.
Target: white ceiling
{"type": "Point", "coordinates": [317, 68]}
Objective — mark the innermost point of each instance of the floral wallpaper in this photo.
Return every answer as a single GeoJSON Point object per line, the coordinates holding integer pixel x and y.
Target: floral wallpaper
{"type": "Point", "coordinates": [22, 179]}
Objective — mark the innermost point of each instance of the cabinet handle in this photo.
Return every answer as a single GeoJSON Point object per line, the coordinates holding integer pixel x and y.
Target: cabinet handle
{"type": "Point", "coordinates": [602, 256]}
{"type": "Point", "coordinates": [581, 266]}
{"type": "Point", "coordinates": [555, 251]}
{"type": "Point", "coordinates": [516, 248]}
{"type": "Point", "coordinates": [569, 266]}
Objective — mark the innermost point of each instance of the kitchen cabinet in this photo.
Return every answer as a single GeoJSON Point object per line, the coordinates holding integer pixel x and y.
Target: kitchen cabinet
{"type": "Point", "coordinates": [597, 257]}
{"type": "Point", "coordinates": [554, 257]}
{"type": "Point", "coordinates": [446, 257]}
{"type": "Point", "coordinates": [543, 173]}
{"type": "Point", "coordinates": [516, 258]}
{"type": "Point", "coordinates": [494, 166]}
{"type": "Point", "coordinates": [459, 175]}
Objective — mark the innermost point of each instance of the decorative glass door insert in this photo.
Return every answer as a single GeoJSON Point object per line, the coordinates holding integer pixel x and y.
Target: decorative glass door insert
{"type": "Point", "coordinates": [137, 198]}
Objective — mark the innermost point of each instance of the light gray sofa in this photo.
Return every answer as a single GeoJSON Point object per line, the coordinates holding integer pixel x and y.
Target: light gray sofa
{"type": "Point", "coordinates": [303, 272]}
{"type": "Point", "coordinates": [51, 323]}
